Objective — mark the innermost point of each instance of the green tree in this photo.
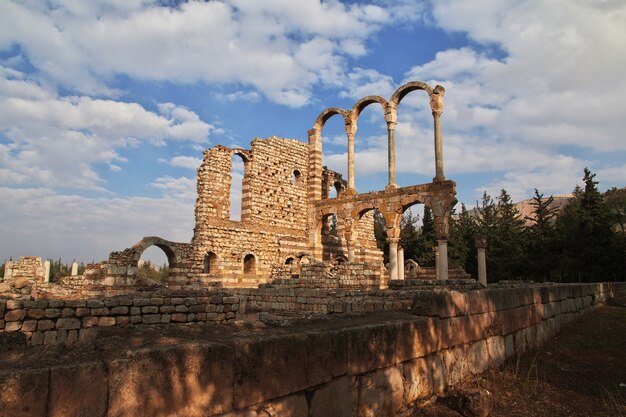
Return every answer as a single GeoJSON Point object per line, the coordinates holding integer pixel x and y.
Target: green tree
{"type": "Point", "coordinates": [461, 245]}
{"type": "Point", "coordinates": [586, 236]}
{"type": "Point", "coordinates": [541, 244]}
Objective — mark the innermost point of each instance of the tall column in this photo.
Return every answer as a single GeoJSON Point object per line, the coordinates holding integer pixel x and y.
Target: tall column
{"type": "Point", "coordinates": [436, 105]}
{"type": "Point", "coordinates": [351, 132]}
{"type": "Point", "coordinates": [481, 246]}
{"type": "Point", "coordinates": [400, 263]}
{"type": "Point", "coordinates": [437, 263]}
{"type": "Point", "coordinates": [393, 257]}
{"type": "Point", "coordinates": [391, 154]}
{"type": "Point", "coordinates": [442, 246]}
{"type": "Point", "coordinates": [74, 268]}
{"type": "Point", "coordinates": [46, 272]}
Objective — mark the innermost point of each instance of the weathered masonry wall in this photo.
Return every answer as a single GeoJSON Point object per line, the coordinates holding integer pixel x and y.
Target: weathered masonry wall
{"type": "Point", "coordinates": [272, 227]}
{"type": "Point", "coordinates": [362, 365]}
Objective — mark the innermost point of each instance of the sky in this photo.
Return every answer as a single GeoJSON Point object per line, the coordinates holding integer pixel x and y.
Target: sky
{"type": "Point", "coordinates": [106, 107]}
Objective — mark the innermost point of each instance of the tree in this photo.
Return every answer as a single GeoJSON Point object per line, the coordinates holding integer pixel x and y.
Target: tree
{"type": "Point", "coordinates": [461, 244]}
{"type": "Point", "coordinates": [586, 235]}
{"type": "Point", "coordinates": [541, 245]}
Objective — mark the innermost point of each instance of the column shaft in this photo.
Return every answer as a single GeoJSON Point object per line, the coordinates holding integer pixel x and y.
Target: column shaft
{"type": "Point", "coordinates": [351, 161]}
{"type": "Point", "coordinates": [438, 149]}
{"type": "Point", "coordinates": [482, 266]}
{"type": "Point", "coordinates": [442, 246]}
{"type": "Point", "coordinates": [393, 258]}
{"type": "Point", "coordinates": [391, 154]}
{"type": "Point", "coordinates": [401, 263]}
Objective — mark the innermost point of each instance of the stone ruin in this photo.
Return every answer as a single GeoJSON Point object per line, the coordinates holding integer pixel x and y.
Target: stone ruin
{"type": "Point", "coordinates": [286, 209]}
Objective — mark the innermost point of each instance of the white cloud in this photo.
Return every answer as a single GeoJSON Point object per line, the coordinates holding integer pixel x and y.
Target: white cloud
{"type": "Point", "coordinates": [94, 228]}
{"type": "Point", "coordinates": [189, 162]}
{"type": "Point", "coordinates": [243, 42]}
{"type": "Point", "coordinates": [57, 141]}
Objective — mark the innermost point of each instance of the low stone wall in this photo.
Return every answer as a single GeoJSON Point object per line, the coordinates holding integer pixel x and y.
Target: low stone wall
{"type": "Point", "coordinates": [362, 365]}
{"type": "Point", "coordinates": [68, 321]}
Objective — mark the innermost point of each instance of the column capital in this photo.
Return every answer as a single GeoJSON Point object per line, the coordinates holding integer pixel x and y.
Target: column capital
{"type": "Point", "coordinates": [393, 240]}
{"type": "Point", "coordinates": [480, 241]}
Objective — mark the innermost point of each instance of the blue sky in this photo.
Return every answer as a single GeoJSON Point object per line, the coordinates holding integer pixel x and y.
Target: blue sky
{"type": "Point", "coordinates": [106, 107]}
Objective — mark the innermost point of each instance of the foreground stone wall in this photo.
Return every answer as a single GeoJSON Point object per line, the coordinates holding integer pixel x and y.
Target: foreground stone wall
{"type": "Point", "coordinates": [364, 365]}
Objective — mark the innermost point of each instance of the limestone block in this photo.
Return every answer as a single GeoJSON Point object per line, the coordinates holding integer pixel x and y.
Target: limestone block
{"type": "Point", "coordinates": [15, 315]}
{"type": "Point", "coordinates": [437, 372]}
{"type": "Point", "coordinates": [324, 401]}
{"type": "Point", "coordinates": [29, 326]}
{"type": "Point", "coordinates": [43, 325]}
{"type": "Point", "coordinates": [186, 380]}
{"type": "Point", "coordinates": [78, 390]}
{"type": "Point", "coordinates": [12, 326]}
{"type": "Point", "coordinates": [456, 363]}
{"type": "Point", "coordinates": [381, 393]}
{"type": "Point", "coordinates": [264, 367]}
{"type": "Point", "coordinates": [24, 393]}
{"type": "Point", "coordinates": [68, 323]}
{"type": "Point", "coordinates": [417, 380]}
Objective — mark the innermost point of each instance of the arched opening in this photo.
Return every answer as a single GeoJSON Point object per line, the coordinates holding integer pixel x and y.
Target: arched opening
{"type": "Point", "coordinates": [153, 265]}
{"type": "Point", "coordinates": [335, 148]}
{"type": "Point", "coordinates": [236, 186]}
{"type": "Point", "coordinates": [417, 234]}
{"type": "Point", "coordinates": [210, 263]}
{"type": "Point", "coordinates": [290, 260]}
{"type": "Point", "coordinates": [370, 147]}
{"type": "Point", "coordinates": [372, 235]}
{"type": "Point", "coordinates": [249, 264]}
{"type": "Point", "coordinates": [296, 178]}
{"type": "Point", "coordinates": [414, 136]}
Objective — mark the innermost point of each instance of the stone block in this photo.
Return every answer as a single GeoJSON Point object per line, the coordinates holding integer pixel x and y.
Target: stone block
{"type": "Point", "coordinates": [82, 311]}
{"type": "Point", "coordinates": [437, 372]}
{"type": "Point", "coordinates": [381, 393]}
{"type": "Point", "coordinates": [43, 325]}
{"type": "Point", "coordinates": [56, 303]}
{"type": "Point", "coordinates": [50, 337]}
{"type": "Point", "coordinates": [68, 312]}
{"type": "Point", "coordinates": [24, 393]}
{"type": "Point", "coordinates": [140, 302]}
{"type": "Point", "coordinates": [95, 303]}
{"type": "Point", "coordinates": [339, 397]}
{"type": "Point", "coordinates": [167, 309]}
{"type": "Point", "coordinates": [52, 313]}
{"type": "Point", "coordinates": [72, 336]}
{"type": "Point", "coordinates": [3, 306]}
{"type": "Point", "coordinates": [90, 322]}
{"type": "Point", "coordinates": [151, 318]}
{"type": "Point", "coordinates": [417, 380]}
{"type": "Point", "coordinates": [104, 311]}
{"type": "Point", "coordinates": [119, 310]}
{"type": "Point", "coordinates": [68, 323]}
{"type": "Point", "coordinates": [186, 380]}
{"type": "Point", "coordinates": [12, 326]}
{"type": "Point", "coordinates": [111, 302]}
{"type": "Point", "coordinates": [264, 367]}
{"type": "Point", "coordinates": [15, 315]}
{"type": "Point", "coordinates": [13, 304]}
{"type": "Point", "coordinates": [78, 390]}
{"type": "Point", "coordinates": [106, 321]}
{"type": "Point", "coordinates": [178, 318]}
{"type": "Point", "coordinates": [36, 313]}
{"type": "Point", "coordinates": [29, 326]}
{"type": "Point", "coordinates": [149, 310]}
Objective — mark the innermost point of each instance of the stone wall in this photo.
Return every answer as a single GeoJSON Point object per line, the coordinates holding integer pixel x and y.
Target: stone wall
{"type": "Point", "coordinates": [273, 224]}
{"type": "Point", "coordinates": [374, 365]}
{"type": "Point", "coordinates": [68, 321]}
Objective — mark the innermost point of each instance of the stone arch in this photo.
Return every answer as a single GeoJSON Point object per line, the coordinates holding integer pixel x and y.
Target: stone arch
{"type": "Point", "coordinates": [327, 114]}
{"type": "Point", "coordinates": [211, 263]}
{"type": "Point", "coordinates": [296, 177]}
{"type": "Point", "coordinates": [249, 264]}
{"type": "Point", "coordinates": [170, 249]}
{"type": "Point", "coordinates": [405, 89]}
{"type": "Point", "coordinates": [290, 260]}
{"type": "Point", "coordinates": [363, 103]}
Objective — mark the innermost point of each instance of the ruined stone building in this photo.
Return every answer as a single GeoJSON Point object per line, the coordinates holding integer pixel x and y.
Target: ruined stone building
{"type": "Point", "coordinates": [286, 209]}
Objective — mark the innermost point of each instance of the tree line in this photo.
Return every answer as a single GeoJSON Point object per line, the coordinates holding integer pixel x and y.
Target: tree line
{"type": "Point", "coordinates": [583, 242]}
